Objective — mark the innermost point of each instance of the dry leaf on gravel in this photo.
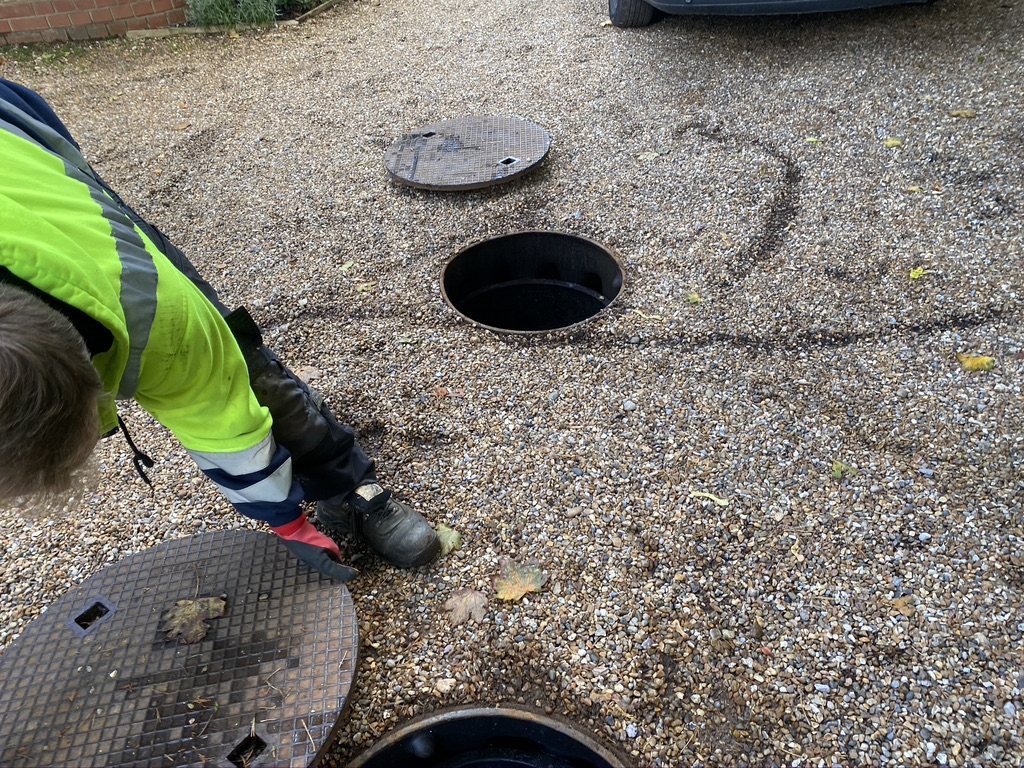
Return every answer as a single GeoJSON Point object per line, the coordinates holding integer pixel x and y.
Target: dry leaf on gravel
{"type": "Point", "coordinates": [464, 604]}
{"type": "Point", "coordinates": [451, 539]}
{"type": "Point", "coordinates": [704, 495]}
{"type": "Point", "coordinates": [306, 372]}
{"type": "Point", "coordinates": [905, 605]}
{"type": "Point", "coordinates": [187, 619]}
{"type": "Point", "coordinates": [963, 113]}
{"type": "Point", "coordinates": [654, 318]}
{"type": "Point", "coordinates": [515, 580]}
{"type": "Point", "coordinates": [976, 362]}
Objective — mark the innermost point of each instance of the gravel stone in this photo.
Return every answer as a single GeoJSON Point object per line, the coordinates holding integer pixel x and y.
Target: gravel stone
{"type": "Point", "coordinates": [683, 147]}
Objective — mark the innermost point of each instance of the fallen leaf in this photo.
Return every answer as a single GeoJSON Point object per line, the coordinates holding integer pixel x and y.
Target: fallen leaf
{"type": "Point", "coordinates": [814, 140]}
{"type": "Point", "coordinates": [465, 604]}
{"type": "Point", "coordinates": [893, 143]}
{"type": "Point", "coordinates": [187, 619]}
{"type": "Point", "coordinates": [703, 495]}
{"type": "Point", "coordinates": [514, 580]}
{"type": "Point", "coordinates": [916, 189]}
{"type": "Point", "coordinates": [407, 341]}
{"type": "Point", "coordinates": [795, 551]}
{"type": "Point", "coordinates": [648, 156]}
{"type": "Point", "coordinates": [348, 265]}
{"type": "Point", "coordinates": [918, 272]}
{"type": "Point", "coordinates": [694, 298]}
{"type": "Point", "coordinates": [905, 605]}
{"type": "Point", "coordinates": [306, 372]}
{"type": "Point", "coordinates": [976, 362]}
{"type": "Point", "coordinates": [841, 470]}
{"type": "Point", "coordinates": [966, 114]}
{"type": "Point", "coordinates": [451, 539]}
{"type": "Point", "coordinates": [655, 318]}
{"type": "Point", "coordinates": [364, 287]}
{"type": "Point", "coordinates": [182, 126]}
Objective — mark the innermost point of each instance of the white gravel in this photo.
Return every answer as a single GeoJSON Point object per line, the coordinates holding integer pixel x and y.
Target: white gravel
{"type": "Point", "coordinates": [871, 620]}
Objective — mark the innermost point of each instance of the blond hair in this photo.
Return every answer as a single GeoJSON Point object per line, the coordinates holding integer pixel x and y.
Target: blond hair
{"type": "Point", "coordinates": [49, 397]}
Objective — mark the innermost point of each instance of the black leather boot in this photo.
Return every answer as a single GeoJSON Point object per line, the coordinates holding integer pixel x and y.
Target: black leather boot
{"type": "Point", "coordinates": [397, 533]}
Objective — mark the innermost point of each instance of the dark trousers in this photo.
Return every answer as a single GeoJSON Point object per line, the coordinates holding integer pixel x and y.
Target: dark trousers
{"type": "Point", "coordinates": [327, 461]}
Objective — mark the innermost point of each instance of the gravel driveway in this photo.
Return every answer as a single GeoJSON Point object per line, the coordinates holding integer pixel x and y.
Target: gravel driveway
{"type": "Point", "coordinates": [816, 215]}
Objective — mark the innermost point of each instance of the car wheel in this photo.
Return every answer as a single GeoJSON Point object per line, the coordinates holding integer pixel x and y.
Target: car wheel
{"type": "Point", "coordinates": [630, 13]}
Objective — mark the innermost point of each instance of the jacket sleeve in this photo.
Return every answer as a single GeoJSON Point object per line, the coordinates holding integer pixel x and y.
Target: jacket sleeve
{"type": "Point", "coordinates": [194, 381]}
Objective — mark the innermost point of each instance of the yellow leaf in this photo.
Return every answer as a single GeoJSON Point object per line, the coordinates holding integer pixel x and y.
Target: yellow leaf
{"type": "Point", "coordinates": [841, 470]}
{"type": "Point", "coordinates": [918, 272]}
{"type": "Point", "coordinates": [893, 143]}
{"type": "Point", "coordinates": [451, 539]}
{"type": "Point", "coordinates": [963, 113]}
{"type": "Point", "coordinates": [915, 189]}
{"type": "Point", "coordinates": [347, 265]}
{"type": "Point", "coordinates": [795, 551]}
{"type": "Point", "coordinates": [364, 287]}
{"type": "Point", "coordinates": [814, 140]}
{"type": "Point", "coordinates": [703, 495]}
{"type": "Point", "coordinates": [514, 580]}
{"type": "Point", "coordinates": [656, 318]}
{"type": "Point", "coordinates": [694, 298]}
{"type": "Point", "coordinates": [976, 363]}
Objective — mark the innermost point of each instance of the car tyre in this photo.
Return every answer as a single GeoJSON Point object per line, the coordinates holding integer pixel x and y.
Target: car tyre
{"type": "Point", "coordinates": [630, 13]}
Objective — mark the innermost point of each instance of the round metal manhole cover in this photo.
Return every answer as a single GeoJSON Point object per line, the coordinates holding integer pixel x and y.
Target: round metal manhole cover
{"type": "Point", "coordinates": [532, 281]}
{"type": "Point", "coordinates": [491, 737]}
{"type": "Point", "coordinates": [95, 680]}
{"type": "Point", "coordinates": [468, 153]}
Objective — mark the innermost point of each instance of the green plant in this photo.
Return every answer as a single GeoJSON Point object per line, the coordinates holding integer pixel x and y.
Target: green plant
{"type": "Point", "coordinates": [231, 13]}
{"type": "Point", "coordinates": [212, 13]}
{"type": "Point", "coordinates": [256, 11]}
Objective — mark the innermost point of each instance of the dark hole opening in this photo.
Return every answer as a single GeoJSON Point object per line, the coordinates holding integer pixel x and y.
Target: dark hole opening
{"type": "Point", "coordinates": [468, 737]}
{"type": "Point", "coordinates": [509, 161]}
{"type": "Point", "coordinates": [532, 281]}
{"type": "Point", "coordinates": [91, 615]}
{"type": "Point", "coordinates": [247, 750]}
{"type": "Point", "coordinates": [428, 134]}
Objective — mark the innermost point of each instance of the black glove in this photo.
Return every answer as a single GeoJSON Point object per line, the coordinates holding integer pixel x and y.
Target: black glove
{"type": "Point", "coordinates": [321, 560]}
{"type": "Point", "coordinates": [314, 549]}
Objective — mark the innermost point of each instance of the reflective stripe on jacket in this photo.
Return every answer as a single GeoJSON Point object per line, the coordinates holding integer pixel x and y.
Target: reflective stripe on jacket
{"type": "Point", "coordinates": [172, 352]}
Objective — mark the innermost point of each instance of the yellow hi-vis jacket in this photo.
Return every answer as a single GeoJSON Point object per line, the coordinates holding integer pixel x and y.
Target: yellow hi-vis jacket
{"type": "Point", "coordinates": [172, 352]}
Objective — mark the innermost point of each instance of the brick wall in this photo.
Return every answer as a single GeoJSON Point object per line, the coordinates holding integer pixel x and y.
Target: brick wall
{"type": "Point", "coordinates": [49, 21]}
